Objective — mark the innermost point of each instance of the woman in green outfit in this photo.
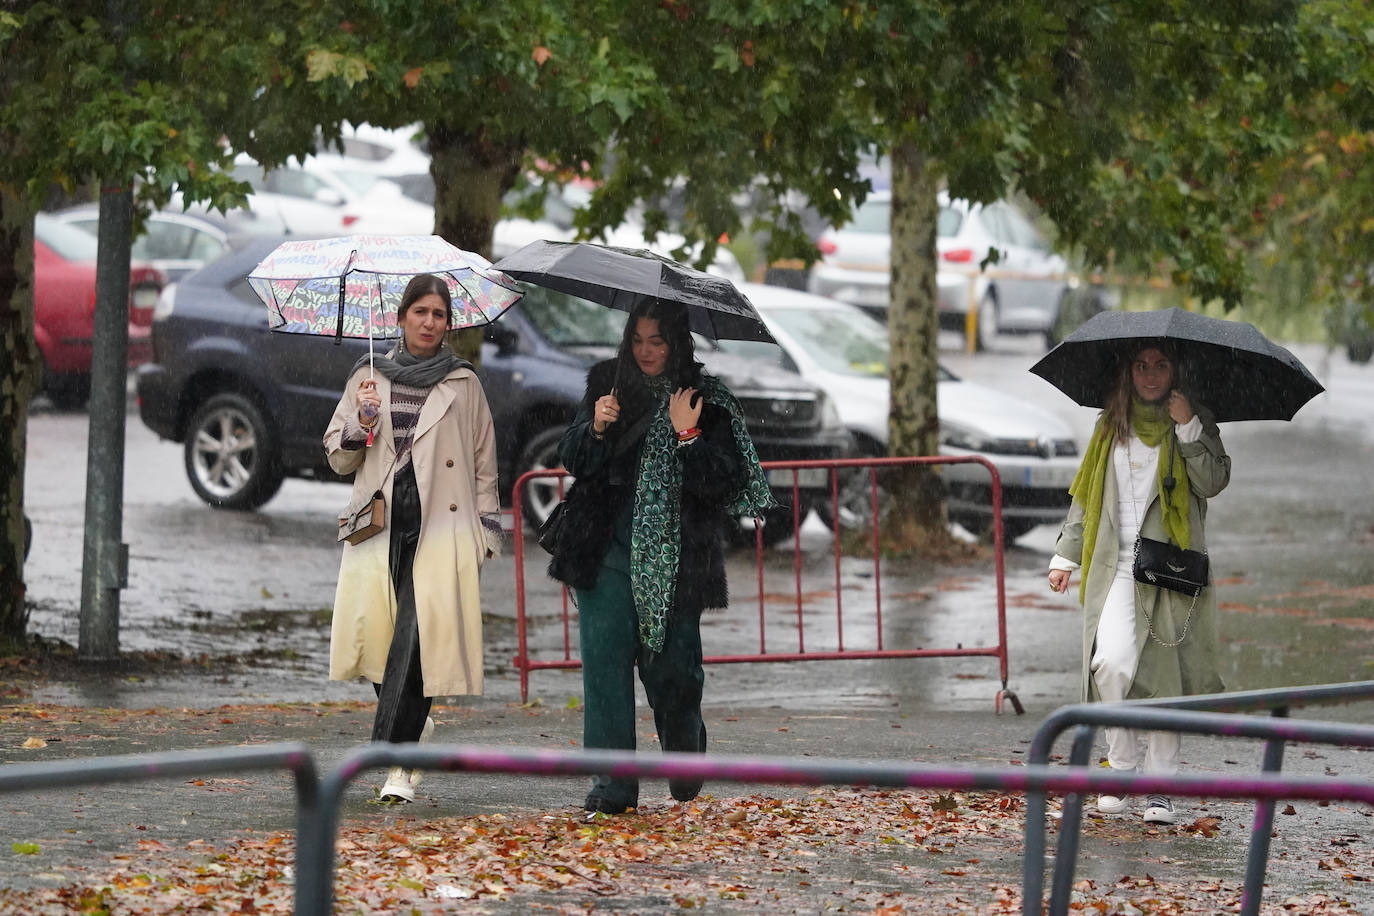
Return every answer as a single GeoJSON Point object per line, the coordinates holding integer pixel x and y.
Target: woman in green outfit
{"type": "Point", "coordinates": [663, 462]}
{"type": "Point", "coordinates": [1154, 460]}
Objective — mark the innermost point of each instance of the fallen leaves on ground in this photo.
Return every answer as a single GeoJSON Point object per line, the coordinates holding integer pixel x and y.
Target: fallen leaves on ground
{"type": "Point", "coordinates": [901, 853]}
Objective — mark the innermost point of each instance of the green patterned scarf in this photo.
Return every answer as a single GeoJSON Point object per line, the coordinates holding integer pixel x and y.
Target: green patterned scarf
{"type": "Point", "coordinates": [1153, 425]}
{"type": "Point", "coordinates": [656, 533]}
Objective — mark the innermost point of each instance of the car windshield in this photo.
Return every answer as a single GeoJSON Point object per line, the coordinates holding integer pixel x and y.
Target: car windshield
{"type": "Point", "coordinates": [872, 217]}
{"type": "Point", "coordinates": [569, 321]}
{"type": "Point", "coordinates": [947, 225]}
{"type": "Point", "coordinates": [842, 341]}
{"type": "Point", "coordinates": [360, 182]}
{"type": "Point", "coordinates": [68, 242]}
{"type": "Point", "coordinates": [845, 341]}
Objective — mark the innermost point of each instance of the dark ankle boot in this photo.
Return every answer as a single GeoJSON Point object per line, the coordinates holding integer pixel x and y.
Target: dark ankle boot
{"type": "Point", "coordinates": [611, 796]}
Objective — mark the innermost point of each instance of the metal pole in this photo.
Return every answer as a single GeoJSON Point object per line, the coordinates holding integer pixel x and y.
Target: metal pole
{"type": "Point", "coordinates": [1257, 860]}
{"type": "Point", "coordinates": [105, 558]}
{"type": "Point", "coordinates": [1070, 826]}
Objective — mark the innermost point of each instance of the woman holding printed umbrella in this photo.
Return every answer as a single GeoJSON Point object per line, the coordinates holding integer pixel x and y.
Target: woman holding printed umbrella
{"type": "Point", "coordinates": [1163, 381]}
{"type": "Point", "coordinates": [413, 426]}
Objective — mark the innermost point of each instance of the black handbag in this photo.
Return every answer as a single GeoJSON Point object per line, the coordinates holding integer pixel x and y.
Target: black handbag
{"type": "Point", "coordinates": [552, 528]}
{"type": "Point", "coordinates": [1169, 566]}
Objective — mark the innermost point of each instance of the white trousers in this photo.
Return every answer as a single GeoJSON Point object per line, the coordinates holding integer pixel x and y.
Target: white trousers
{"type": "Point", "coordinates": [1113, 668]}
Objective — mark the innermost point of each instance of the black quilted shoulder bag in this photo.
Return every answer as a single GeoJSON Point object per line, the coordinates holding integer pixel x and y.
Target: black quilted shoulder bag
{"type": "Point", "coordinates": [1164, 564]}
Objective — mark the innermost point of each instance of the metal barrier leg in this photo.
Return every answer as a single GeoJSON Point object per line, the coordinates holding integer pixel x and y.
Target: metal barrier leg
{"type": "Point", "coordinates": [1257, 860]}
{"type": "Point", "coordinates": [315, 852]}
{"type": "Point", "coordinates": [1033, 871]}
{"type": "Point", "coordinates": [1070, 826]}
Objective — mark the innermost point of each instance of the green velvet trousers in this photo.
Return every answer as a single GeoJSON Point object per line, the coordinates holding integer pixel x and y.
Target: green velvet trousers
{"type": "Point", "coordinates": [673, 679]}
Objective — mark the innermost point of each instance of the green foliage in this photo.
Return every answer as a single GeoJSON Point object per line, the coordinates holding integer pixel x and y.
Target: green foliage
{"type": "Point", "coordinates": [163, 97]}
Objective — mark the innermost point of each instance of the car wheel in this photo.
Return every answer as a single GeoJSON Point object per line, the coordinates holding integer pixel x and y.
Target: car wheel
{"type": "Point", "coordinates": [230, 453]}
{"type": "Point", "coordinates": [778, 526]}
{"type": "Point", "coordinates": [67, 390]}
{"type": "Point", "coordinates": [1012, 528]}
{"type": "Point", "coordinates": [855, 500]}
{"type": "Point", "coordinates": [541, 454]}
{"type": "Point", "coordinates": [1360, 351]}
{"type": "Point", "coordinates": [987, 322]}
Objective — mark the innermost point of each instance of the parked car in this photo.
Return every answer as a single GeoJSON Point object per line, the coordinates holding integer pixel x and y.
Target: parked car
{"type": "Point", "coordinates": [178, 241]}
{"type": "Point", "coordinates": [1019, 294]}
{"type": "Point", "coordinates": [250, 406]}
{"type": "Point", "coordinates": [310, 200]}
{"type": "Point", "coordinates": [845, 352]}
{"type": "Point", "coordinates": [64, 308]}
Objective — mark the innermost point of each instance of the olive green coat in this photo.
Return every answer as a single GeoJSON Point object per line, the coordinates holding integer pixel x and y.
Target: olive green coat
{"type": "Point", "coordinates": [1193, 667]}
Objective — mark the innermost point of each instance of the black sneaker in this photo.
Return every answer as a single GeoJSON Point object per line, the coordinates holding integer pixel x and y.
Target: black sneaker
{"type": "Point", "coordinates": [1159, 810]}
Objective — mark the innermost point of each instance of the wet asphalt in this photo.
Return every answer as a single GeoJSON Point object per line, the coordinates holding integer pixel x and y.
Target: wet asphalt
{"type": "Point", "coordinates": [1292, 545]}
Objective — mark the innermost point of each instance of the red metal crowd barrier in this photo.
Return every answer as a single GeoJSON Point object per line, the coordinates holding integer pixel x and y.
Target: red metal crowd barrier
{"type": "Point", "coordinates": [525, 664]}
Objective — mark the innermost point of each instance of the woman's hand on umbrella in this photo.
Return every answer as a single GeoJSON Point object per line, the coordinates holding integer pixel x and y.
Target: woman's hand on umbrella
{"type": "Point", "coordinates": [369, 402]}
{"type": "Point", "coordinates": [606, 412]}
{"type": "Point", "coordinates": [1059, 580]}
{"type": "Point", "coordinates": [1179, 408]}
{"type": "Point", "coordinates": [684, 408]}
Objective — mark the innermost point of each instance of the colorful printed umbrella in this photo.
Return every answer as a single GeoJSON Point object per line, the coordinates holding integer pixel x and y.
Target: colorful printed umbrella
{"type": "Point", "coordinates": [350, 286]}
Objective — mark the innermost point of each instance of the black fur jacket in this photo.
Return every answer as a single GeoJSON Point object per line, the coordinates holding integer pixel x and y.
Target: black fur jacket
{"type": "Point", "coordinates": [712, 471]}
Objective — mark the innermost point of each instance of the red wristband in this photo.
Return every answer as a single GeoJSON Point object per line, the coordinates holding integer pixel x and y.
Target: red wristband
{"type": "Point", "coordinates": [690, 433]}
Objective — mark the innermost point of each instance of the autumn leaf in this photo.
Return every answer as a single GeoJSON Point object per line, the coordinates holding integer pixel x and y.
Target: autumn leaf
{"type": "Point", "coordinates": [25, 849]}
{"type": "Point", "coordinates": [945, 803]}
{"type": "Point", "coordinates": [412, 77]}
{"type": "Point", "coordinates": [540, 54]}
{"type": "Point", "coordinates": [33, 744]}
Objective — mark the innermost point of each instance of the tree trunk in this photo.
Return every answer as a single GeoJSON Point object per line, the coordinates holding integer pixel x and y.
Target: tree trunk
{"type": "Point", "coordinates": [471, 175]}
{"type": "Point", "coordinates": [18, 381]}
{"type": "Point", "coordinates": [917, 514]}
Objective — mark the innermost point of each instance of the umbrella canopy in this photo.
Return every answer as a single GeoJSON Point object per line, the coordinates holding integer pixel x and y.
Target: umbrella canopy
{"type": "Point", "coordinates": [1227, 365]}
{"type": "Point", "coordinates": [350, 286]}
{"type": "Point", "coordinates": [623, 277]}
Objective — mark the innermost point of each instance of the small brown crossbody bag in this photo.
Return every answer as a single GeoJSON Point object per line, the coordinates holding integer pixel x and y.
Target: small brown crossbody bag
{"type": "Point", "coordinates": [360, 521]}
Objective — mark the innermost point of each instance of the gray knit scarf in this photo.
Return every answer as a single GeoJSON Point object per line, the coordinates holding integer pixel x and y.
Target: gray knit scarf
{"type": "Point", "coordinates": [404, 368]}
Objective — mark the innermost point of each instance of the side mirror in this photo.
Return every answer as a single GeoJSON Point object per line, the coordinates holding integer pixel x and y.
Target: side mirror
{"type": "Point", "coordinates": [328, 197]}
{"type": "Point", "coordinates": [506, 339]}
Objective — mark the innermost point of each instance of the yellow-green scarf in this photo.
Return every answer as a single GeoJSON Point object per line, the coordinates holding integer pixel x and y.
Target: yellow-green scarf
{"type": "Point", "coordinates": [1152, 425]}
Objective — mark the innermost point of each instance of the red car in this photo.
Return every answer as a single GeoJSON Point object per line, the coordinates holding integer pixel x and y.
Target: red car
{"type": "Point", "coordinates": [64, 308]}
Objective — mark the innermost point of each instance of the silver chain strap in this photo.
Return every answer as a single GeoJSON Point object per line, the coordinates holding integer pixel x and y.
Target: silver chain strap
{"type": "Point", "coordinates": [1140, 523]}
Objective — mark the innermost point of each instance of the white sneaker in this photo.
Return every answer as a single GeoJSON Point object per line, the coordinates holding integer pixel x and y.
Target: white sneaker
{"type": "Point", "coordinates": [1159, 810]}
{"type": "Point", "coordinates": [397, 786]}
{"type": "Point", "coordinates": [426, 734]}
{"type": "Point", "coordinates": [1113, 804]}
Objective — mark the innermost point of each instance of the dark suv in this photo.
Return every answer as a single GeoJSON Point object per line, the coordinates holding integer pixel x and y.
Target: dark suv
{"type": "Point", "coordinates": [251, 406]}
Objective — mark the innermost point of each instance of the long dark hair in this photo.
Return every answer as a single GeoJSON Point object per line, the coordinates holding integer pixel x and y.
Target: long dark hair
{"type": "Point", "coordinates": [682, 369]}
{"type": "Point", "coordinates": [1116, 407]}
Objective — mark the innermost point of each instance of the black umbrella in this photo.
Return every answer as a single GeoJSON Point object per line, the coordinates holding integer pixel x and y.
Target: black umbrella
{"type": "Point", "coordinates": [1227, 365]}
{"type": "Point", "coordinates": [623, 277]}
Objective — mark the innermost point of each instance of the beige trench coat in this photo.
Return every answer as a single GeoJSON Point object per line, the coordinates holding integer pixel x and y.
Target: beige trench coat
{"type": "Point", "coordinates": [454, 454]}
{"type": "Point", "coordinates": [1193, 667]}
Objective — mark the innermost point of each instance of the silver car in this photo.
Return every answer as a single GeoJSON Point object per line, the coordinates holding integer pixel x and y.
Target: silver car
{"type": "Point", "coordinates": [1021, 293]}
{"type": "Point", "coordinates": [845, 353]}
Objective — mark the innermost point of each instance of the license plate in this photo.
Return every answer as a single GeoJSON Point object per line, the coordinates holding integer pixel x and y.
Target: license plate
{"type": "Point", "coordinates": [807, 478]}
{"type": "Point", "coordinates": [1058, 477]}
